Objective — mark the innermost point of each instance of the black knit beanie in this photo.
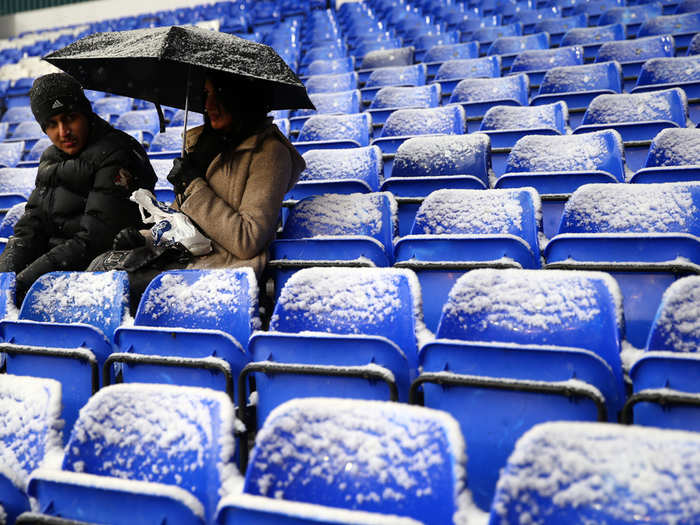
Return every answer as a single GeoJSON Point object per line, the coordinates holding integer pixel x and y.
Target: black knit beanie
{"type": "Point", "coordinates": [57, 93]}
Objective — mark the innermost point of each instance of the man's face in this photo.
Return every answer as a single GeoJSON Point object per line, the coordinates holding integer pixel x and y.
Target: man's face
{"type": "Point", "coordinates": [68, 131]}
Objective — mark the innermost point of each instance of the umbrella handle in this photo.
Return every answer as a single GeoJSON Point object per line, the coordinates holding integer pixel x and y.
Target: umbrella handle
{"type": "Point", "coordinates": [161, 118]}
{"type": "Point", "coordinates": [178, 197]}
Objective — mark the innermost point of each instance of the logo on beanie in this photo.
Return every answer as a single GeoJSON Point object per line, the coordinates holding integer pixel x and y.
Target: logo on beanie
{"type": "Point", "coordinates": [57, 104]}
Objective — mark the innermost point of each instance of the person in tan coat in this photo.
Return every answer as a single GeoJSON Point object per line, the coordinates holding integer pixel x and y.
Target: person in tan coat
{"type": "Point", "coordinates": [231, 184]}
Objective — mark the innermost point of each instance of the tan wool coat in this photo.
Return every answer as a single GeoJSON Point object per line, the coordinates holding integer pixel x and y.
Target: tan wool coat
{"type": "Point", "coordinates": [238, 205]}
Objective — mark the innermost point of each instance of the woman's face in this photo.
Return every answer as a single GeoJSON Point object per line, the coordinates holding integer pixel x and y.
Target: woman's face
{"type": "Point", "coordinates": [220, 118]}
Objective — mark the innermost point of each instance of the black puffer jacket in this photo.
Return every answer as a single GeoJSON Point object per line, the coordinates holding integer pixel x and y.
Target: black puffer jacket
{"type": "Point", "coordinates": [78, 205]}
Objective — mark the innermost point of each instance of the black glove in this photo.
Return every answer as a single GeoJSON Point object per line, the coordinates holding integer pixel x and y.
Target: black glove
{"type": "Point", "coordinates": [182, 174]}
{"type": "Point", "coordinates": [128, 238]}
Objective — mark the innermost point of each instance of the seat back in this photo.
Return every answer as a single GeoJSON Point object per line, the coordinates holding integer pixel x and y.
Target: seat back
{"type": "Point", "coordinates": [112, 105]}
{"type": "Point", "coordinates": [222, 299]}
{"type": "Point", "coordinates": [402, 56]}
{"type": "Point", "coordinates": [550, 116]}
{"type": "Point", "coordinates": [11, 153]}
{"type": "Point", "coordinates": [630, 14]}
{"type": "Point", "coordinates": [143, 119]}
{"type": "Point", "coordinates": [544, 478]}
{"type": "Point", "coordinates": [671, 25]}
{"type": "Point", "coordinates": [666, 105]}
{"type": "Point", "coordinates": [355, 126]}
{"type": "Point", "coordinates": [559, 25]}
{"type": "Point", "coordinates": [364, 164]}
{"type": "Point", "coordinates": [636, 50]}
{"type": "Point", "coordinates": [588, 77]}
{"type": "Point", "coordinates": [485, 67]}
{"type": "Point", "coordinates": [582, 36]}
{"type": "Point", "coordinates": [27, 130]}
{"type": "Point", "coordinates": [513, 45]}
{"type": "Point", "coordinates": [539, 59]}
{"type": "Point", "coordinates": [169, 140]}
{"type": "Point", "coordinates": [332, 66]}
{"type": "Point", "coordinates": [99, 299]}
{"type": "Point", "coordinates": [450, 120]}
{"type": "Point", "coordinates": [439, 156]}
{"type": "Point", "coordinates": [512, 87]}
{"type": "Point", "coordinates": [7, 225]}
{"type": "Point", "coordinates": [370, 301]}
{"type": "Point", "coordinates": [331, 83]}
{"type": "Point", "coordinates": [492, 33]}
{"type": "Point", "coordinates": [193, 119]}
{"type": "Point", "coordinates": [340, 102]}
{"type": "Point", "coordinates": [18, 114]}
{"type": "Point", "coordinates": [670, 70]}
{"type": "Point", "coordinates": [359, 455]}
{"type": "Point", "coordinates": [38, 148]}
{"type": "Point", "coordinates": [167, 434]}
{"type": "Point", "coordinates": [442, 53]}
{"type": "Point", "coordinates": [413, 75]}
{"type": "Point", "coordinates": [416, 96]}
{"type": "Point", "coordinates": [676, 326]}
{"type": "Point", "coordinates": [675, 147]}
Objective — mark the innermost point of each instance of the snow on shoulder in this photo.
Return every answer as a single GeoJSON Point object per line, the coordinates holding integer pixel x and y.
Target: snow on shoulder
{"type": "Point", "coordinates": [580, 473]}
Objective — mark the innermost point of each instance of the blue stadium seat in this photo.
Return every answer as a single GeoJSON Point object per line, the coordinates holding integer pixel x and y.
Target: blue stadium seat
{"type": "Point", "coordinates": [17, 114]}
{"type": "Point", "coordinates": [682, 27]}
{"type": "Point", "coordinates": [591, 38]}
{"type": "Point", "coordinates": [11, 153]}
{"type": "Point", "coordinates": [557, 165]}
{"type": "Point", "coordinates": [112, 106]}
{"type": "Point", "coordinates": [543, 473]}
{"type": "Point", "coordinates": [558, 26]}
{"type": "Point", "coordinates": [374, 438]}
{"type": "Point", "coordinates": [451, 72]}
{"type": "Point", "coordinates": [413, 75]}
{"type": "Point", "coordinates": [191, 328]}
{"type": "Point", "coordinates": [390, 98]}
{"type": "Point", "coordinates": [424, 164]}
{"type": "Point", "coordinates": [16, 184]}
{"type": "Point", "coordinates": [436, 55]}
{"type": "Point", "coordinates": [283, 126]}
{"type": "Point", "coordinates": [631, 54]}
{"type": "Point", "coordinates": [538, 61]}
{"type": "Point", "coordinates": [664, 73]}
{"type": "Point", "coordinates": [325, 52]}
{"type": "Point", "coordinates": [335, 131]}
{"type": "Point", "coordinates": [425, 42]}
{"type": "Point", "coordinates": [163, 190]}
{"type": "Point", "coordinates": [193, 119]}
{"type": "Point", "coordinates": [674, 156]}
{"type": "Point", "coordinates": [376, 43]}
{"type": "Point", "coordinates": [342, 102]}
{"type": "Point", "coordinates": [511, 46]}
{"type": "Point", "coordinates": [7, 228]}
{"type": "Point", "coordinates": [329, 67]}
{"type": "Point", "coordinates": [64, 332]}
{"type": "Point", "coordinates": [331, 83]}
{"type": "Point", "coordinates": [486, 36]}
{"type": "Point", "coordinates": [631, 16]}
{"type": "Point", "coordinates": [167, 144]}
{"type": "Point", "coordinates": [341, 171]}
{"type": "Point", "coordinates": [645, 235]}
{"type": "Point", "coordinates": [144, 120]}
{"type": "Point", "coordinates": [165, 451]}
{"type": "Point", "coordinates": [458, 230]}
{"type": "Point", "coordinates": [402, 56]}
{"type": "Point", "coordinates": [29, 132]}
{"type": "Point", "coordinates": [578, 86]}
{"type": "Point", "coordinates": [595, 8]}
{"type": "Point", "coordinates": [30, 434]}
{"type": "Point", "coordinates": [529, 18]}
{"type": "Point", "coordinates": [31, 157]}
{"type": "Point", "coordinates": [530, 345]}
{"type": "Point", "coordinates": [637, 117]}
{"type": "Point", "coordinates": [17, 93]}
{"type": "Point", "coordinates": [694, 46]}
{"type": "Point", "coordinates": [687, 6]}
{"type": "Point", "coordinates": [478, 95]}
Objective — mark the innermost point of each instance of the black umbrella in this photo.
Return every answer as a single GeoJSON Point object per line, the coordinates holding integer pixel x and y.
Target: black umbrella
{"type": "Point", "coordinates": [167, 66]}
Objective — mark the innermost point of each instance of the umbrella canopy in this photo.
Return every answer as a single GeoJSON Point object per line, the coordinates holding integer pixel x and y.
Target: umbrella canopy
{"type": "Point", "coordinates": [155, 65]}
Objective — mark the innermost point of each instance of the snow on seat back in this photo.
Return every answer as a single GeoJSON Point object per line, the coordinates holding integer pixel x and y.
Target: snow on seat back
{"type": "Point", "coordinates": [162, 168]}
{"type": "Point", "coordinates": [355, 126]}
{"type": "Point", "coordinates": [670, 70]}
{"type": "Point", "coordinates": [391, 458]}
{"type": "Point", "coordinates": [667, 105]}
{"type": "Point", "coordinates": [485, 67]}
{"type": "Point", "coordinates": [99, 299]}
{"type": "Point", "coordinates": [449, 120]}
{"type": "Point", "coordinates": [637, 50]}
{"type": "Point", "coordinates": [333, 103]}
{"type": "Point", "coordinates": [675, 147]}
{"type": "Point", "coordinates": [27, 131]}
{"type": "Point", "coordinates": [551, 116]}
{"type": "Point", "coordinates": [17, 180]}
{"type": "Point", "coordinates": [589, 77]}
{"type": "Point", "coordinates": [11, 153]}
{"type": "Point", "coordinates": [597, 151]}
{"type": "Point", "coordinates": [677, 323]}
{"type": "Point", "coordinates": [671, 24]}
{"type": "Point", "coordinates": [331, 66]}
{"type": "Point", "coordinates": [553, 307]}
{"type": "Point", "coordinates": [430, 156]}
{"type": "Point", "coordinates": [8, 310]}
{"type": "Point", "coordinates": [331, 83]}
{"type": "Point", "coordinates": [7, 225]}
{"type": "Point", "coordinates": [445, 52]}
{"type": "Point", "coordinates": [112, 105]}
{"type": "Point", "coordinates": [513, 45]}
{"type": "Point", "coordinates": [413, 75]}
{"type": "Point", "coordinates": [343, 164]}
{"type": "Point", "coordinates": [407, 96]}
{"type": "Point", "coordinates": [539, 59]}
{"type": "Point", "coordinates": [168, 140]}
{"type": "Point", "coordinates": [633, 209]}
{"type": "Point", "coordinates": [402, 56]}
{"type": "Point", "coordinates": [144, 119]}
{"type": "Point", "coordinates": [576, 473]}
{"type": "Point", "coordinates": [215, 299]}
{"type": "Point", "coordinates": [366, 301]}
{"type": "Point", "coordinates": [582, 36]}
{"type": "Point", "coordinates": [484, 89]}
{"type": "Point", "coordinates": [175, 435]}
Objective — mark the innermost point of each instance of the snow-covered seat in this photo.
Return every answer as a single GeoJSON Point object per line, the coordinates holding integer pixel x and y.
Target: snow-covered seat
{"type": "Point", "coordinates": [64, 331]}
{"type": "Point", "coordinates": [468, 25]}
{"type": "Point", "coordinates": [323, 52]}
{"type": "Point", "coordinates": [458, 230]}
{"type": "Point", "coordinates": [335, 230]}
{"type": "Point", "coordinates": [30, 435]}
{"type": "Point", "coordinates": [593, 8]}
{"type": "Point", "coordinates": [486, 36]}
{"type": "Point", "coordinates": [400, 56]}
{"type": "Point", "coordinates": [412, 75]}
{"type": "Point", "coordinates": [331, 83]}
{"type": "Point", "coordinates": [556, 165]}
{"type": "Point", "coordinates": [377, 43]}
{"type": "Point", "coordinates": [674, 156]}
{"type": "Point", "coordinates": [16, 184]}
{"type": "Point", "coordinates": [354, 457]}
{"type": "Point", "coordinates": [452, 72]}
{"type": "Point", "coordinates": [113, 106]}
{"type": "Point", "coordinates": [31, 157]}
{"type": "Point", "coordinates": [331, 67]}
{"type": "Point", "coordinates": [591, 38]}
{"type": "Point", "coordinates": [29, 132]}
{"type": "Point", "coordinates": [17, 93]}
{"type": "Point", "coordinates": [645, 235]}
{"type": "Point", "coordinates": [7, 228]}
{"type": "Point", "coordinates": [390, 98]}
{"type": "Point", "coordinates": [141, 454]}
{"type": "Point", "coordinates": [424, 164]}
{"type": "Point", "coordinates": [166, 144]}
{"type": "Point", "coordinates": [682, 27]}
{"type": "Point", "coordinates": [438, 54]}
{"type": "Point", "coordinates": [17, 114]}
{"type": "Point", "coordinates": [578, 86]}
{"type": "Point", "coordinates": [341, 102]}
{"type": "Point", "coordinates": [356, 329]}
{"type": "Point", "coordinates": [637, 117]}
{"type": "Point", "coordinates": [478, 95]}
{"type": "Point", "coordinates": [191, 328]}
{"type": "Point", "coordinates": [144, 120]}
{"type": "Point", "coordinates": [434, 37]}
{"type": "Point", "coordinates": [536, 62]}
{"type": "Point", "coordinates": [531, 346]}
{"type": "Point", "coordinates": [631, 54]}
{"type": "Point", "coordinates": [11, 153]}
{"type": "Point", "coordinates": [163, 190]}
{"type": "Point", "coordinates": [334, 131]}
{"type": "Point", "coordinates": [529, 18]}
{"type": "Point", "coordinates": [643, 470]}
{"type": "Point", "coordinates": [631, 16]}
{"type": "Point", "coordinates": [694, 46]}
{"type": "Point", "coordinates": [339, 171]}
{"type": "Point", "coordinates": [511, 46]}
{"type": "Point", "coordinates": [664, 378]}
{"type": "Point", "coordinates": [193, 119]}
{"type": "Point", "coordinates": [558, 26]}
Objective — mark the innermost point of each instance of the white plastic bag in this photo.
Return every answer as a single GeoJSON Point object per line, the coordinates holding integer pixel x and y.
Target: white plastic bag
{"type": "Point", "coordinates": [170, 226]}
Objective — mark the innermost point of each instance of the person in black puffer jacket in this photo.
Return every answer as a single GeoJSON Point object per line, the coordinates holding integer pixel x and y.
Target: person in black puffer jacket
{"type": "Point", "coordinates": [83, 184]}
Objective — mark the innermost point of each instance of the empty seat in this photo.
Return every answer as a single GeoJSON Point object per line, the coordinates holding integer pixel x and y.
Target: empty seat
{"type": "Point", "coordinates": [390, 98]}
{"type": "Point", "coordinates": [578, 86]}
{"type": "Point", "coordinates": [451, 72]}
{"type": "Point", "coordinates": [335, 131]}
{"type": "Point", "coordinates": [413, 75]}
{"type": "Point", "coordinates": [591, 38]}
{"type": "Point", "coordinates": [487, 35]}
{"type": "Point", "coordinates": [167, 144]}
{"type": "Point", "coordinates": [329, 67]}
{"type": "Point", "coordinates": [645, 235]}
{"type": "Point", "coordinates": [31, 158]}
{"type": "Point", "coordinates": [674, 156]}
{"type": "Point", "coordinates": [558, 26]}
{"type": "Point", "coordinates": [17, 114]}
{"type": "Point", "coordinates": [340, 171]}
{"type": "Point", "coordinates": [28, 132]}
{"type": "Point", "coordinates": [511, 46]}
{"type": "Point", "coordinates": [164, 190]}
{"type": "Point", "coordinates": [144, 120]}
{"type": "Point", "coordinates": [556, 165]}
{"type": "Point", "coordinates": [331, 83]}
{"type": "Point", "coordinates": [16, 184]}
{"type": "Point", "coordinates": [324, 52]}
{"type": "Point", "coordinates": [683, 27]}
{"type": "Point", "coordinates": [30, 433]}
{"type": "Point", "coordinates": [478, 95]}
{"type": "Point", "coordinates": [536, 62]}
{"type": "Point", "coordinates": [631, 54]}
{"type": "Point", "coordinates": [424, 164]}
{"type": "Point", "coordinates": [631, 16]}
{"type": "Point", "coordinates": [7, 228]}
{"type": "Point", "coordinates": [112, 106]}
{"type": "Point", "coordinates": [436, 37]}
{"type": "Point", "coordinates": [436, 55]}
{"type": "Point", "coordinates": [11, 153]}
{"type": "Point", "coordinates": [341, 102]}
{"type": "Point", "coordinates": [637, 117]}
{"type": "Point", "coordinates": [595, 8]}
{"type": "Point", "coordinates": [166, 451]}
{"type": "Point", "coordinates": [359, 455]}
{"type": "Point", "coordinates": [193, 119]}
{"type": "Point", "coordinates": [402, 56]}
{"type": "Point", "coordinates": [694, 46]}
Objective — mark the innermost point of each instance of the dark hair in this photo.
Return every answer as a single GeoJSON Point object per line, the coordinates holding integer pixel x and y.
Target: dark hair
{"type": "Point", "coordinates": [243, 97]}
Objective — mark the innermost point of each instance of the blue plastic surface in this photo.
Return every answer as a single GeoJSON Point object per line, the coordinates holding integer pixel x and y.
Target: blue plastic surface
{"type": "Point", "coordinates": [328, 103]}
{"type": "Point", "coordinates": [477, 96]}
{"type": "Point", "coordinates": [487, 35]}
{"type": "Point", "coordinates": [631, 54]}
{"type": "Point", "coordinates": [683, 27]}
{"type": "Point", "coordinates": [631, 16]}
{"type": "Point", "coordinates": [536, 61]}
{"type": "Point", "coordinates": [325, 67]}
{"type": "Point", "coordinates": [579, 85]}
{"type": "Point", "coordinates": [334, 131]}
{"type": "Point", "coordinates": [591, 38]}
{"type": "Point", "coordinates": [402, 56]}
{"type": "Point", "coordinates": [452, 72]}
{"type": "Point", "coordinates": [11, 153]}
{"type": "Point", "coordinates": [445, 52]}
{"type": "Point", "coordinates": [331, 82]}
{"type": "Point", "coordinates": [506, 124]}
{"type": "Point", "coordinates": [413, 75]}
{"type": "Point", "coordinates": [513, 45]}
